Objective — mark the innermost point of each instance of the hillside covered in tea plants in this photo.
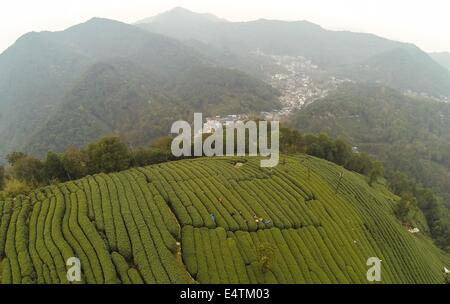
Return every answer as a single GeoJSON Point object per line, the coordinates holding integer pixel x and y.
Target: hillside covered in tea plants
{"type": "Point", "coordinates": [214, 220]}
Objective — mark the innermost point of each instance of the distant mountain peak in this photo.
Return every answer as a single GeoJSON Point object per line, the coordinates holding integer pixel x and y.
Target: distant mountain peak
{"type": "Point", "coordinates": [180, 9]}
{"type": "Point", "coordinates": [97, 21]}
{"type": "Point", "coordinates": [182, 14]}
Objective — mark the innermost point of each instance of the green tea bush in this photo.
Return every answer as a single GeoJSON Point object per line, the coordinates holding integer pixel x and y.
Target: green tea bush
{"type": "Point", "coordinates": [7, 272]}
{"type": "Point", "coordinates": [121, 267]}
{"type": "Point", "coordinates": [4, 224]}
{"type": "Point", "coordinates": [189, 250]}
{"type": "Point", "coordinates": [134, 276]}
{"type": "Point", "coordinates": [122, 238]}
{"type": "Point", "coordinates": [10, 246]}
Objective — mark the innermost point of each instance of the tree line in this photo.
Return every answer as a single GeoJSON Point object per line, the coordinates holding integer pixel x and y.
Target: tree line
{"type": "Point", "coordinates": [110, 154]}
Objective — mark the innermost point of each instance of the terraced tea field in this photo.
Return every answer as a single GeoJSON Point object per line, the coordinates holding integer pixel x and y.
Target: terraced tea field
{"type": "Point", "coordinates": [206, 220]}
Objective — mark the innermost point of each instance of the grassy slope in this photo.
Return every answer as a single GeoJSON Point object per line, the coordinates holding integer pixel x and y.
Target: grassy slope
{"type": "Point", "coordinates": [154, 225]}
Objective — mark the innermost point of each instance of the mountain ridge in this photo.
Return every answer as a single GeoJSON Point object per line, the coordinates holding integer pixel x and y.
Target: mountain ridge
{"type": "Point", "coordinates": [180, 12]}
{"type": "Point", "coordinates": [339, 52]}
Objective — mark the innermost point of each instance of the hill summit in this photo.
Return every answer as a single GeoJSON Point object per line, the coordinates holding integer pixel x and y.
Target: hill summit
{"type": "Point", "coordinates": [180, 15]}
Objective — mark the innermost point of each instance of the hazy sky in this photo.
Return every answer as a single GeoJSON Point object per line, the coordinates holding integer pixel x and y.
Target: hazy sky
{"type": "Point", "coordinates": [423, 22]}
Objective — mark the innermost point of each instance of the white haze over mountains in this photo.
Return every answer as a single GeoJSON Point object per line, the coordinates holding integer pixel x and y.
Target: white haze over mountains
{"type": "Point", "coordinates": [424, 23]}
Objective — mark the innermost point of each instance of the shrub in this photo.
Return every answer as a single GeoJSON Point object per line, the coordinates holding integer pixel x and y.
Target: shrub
{"type": "Point", "coordinates": [10, 247]}
{"type": "Point", "coordinates": [121, 267]}
{"type": "Point", "coordinates": [151, 213]}
{"type": "Point", "coordinates": [122, 237]}
{"type": "Point", "coordinates": [179, 209]}
{"type": "Point", "coordinates": [218, 258]}
{"type": "Point", "coordinates": [55, 254]}
{"type": "Point", "coordinates": [168, 217]}
{"type": "Point", "coordinates": [203, 274]}
{"type": "Point", "coordinates": [286, 254]}
{"type": "Point", "coordinates": [84, 243]}
{"type": "Point", "coordinates": [4, 224]}
{"type": "Point", "coordinates": [56, 233]}
{"type": "Point", "coordinates": [151, 270]}
{"type": "Point", "coordinates": [7, 272]}
{"type": "Point", "coordinates": [90, 196]}
{"type": "Point", "coordinates": [239, 264]}
{"type": "Point", "coordinates": [101, 251]}
{"type": "Point", "coordinates": [26, 266]}
{"type": "Point", "coordinates": [73, 242]}
{"type": "Point", "coordinates": [41, 247]}
{"type": "Point", "coordinates": [37, 262]}
{"type": "Point", "coordinates": [135, 277]}
{"type": "Point", "coordinates": [102, 209]}
{"type": "Point", "coordinates": [15, 187]}
{"type": "Point", "coordinates": [188, 249]}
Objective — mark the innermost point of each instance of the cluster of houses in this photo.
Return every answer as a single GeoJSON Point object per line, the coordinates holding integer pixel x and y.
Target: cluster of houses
{"type": "Point", "coordinates": [212, 123]}
{"type": "Point", "coordinates": [441, 98]}
{"type": "Point", "coordinates": [301, 82]}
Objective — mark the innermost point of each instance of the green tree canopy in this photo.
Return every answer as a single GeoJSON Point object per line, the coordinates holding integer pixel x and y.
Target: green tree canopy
{"type": "Point", "coordinates": [108, 155]}
{"type": "Point", "coordinates": [54, 167]}
{"type": "Point", "coordinates": [29, 169]}
{"type": "Point", "coordinates": [75, 163]}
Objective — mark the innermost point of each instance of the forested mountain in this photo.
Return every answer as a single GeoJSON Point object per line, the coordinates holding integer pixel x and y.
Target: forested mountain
{"type": "Point", "coordinates": [405, 68]}
{"type": "Point", "coordinates": [340, 52]}
{"type": "Point", "coordinates": [113, 77]}
{"type": "Point", "coordinates": [120, 97]}
{"type": "Point", "coordinates": [442, 58]}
